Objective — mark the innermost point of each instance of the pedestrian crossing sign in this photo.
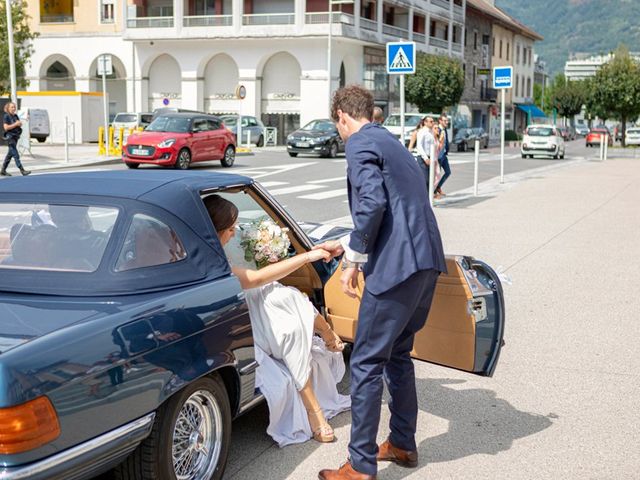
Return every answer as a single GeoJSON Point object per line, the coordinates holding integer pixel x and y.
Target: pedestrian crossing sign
{"type": "Point", "coordinates": [401, 57]}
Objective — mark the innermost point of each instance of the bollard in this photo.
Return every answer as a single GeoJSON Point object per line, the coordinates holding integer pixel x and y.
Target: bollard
{"type": "Point", "coordinates": [606, 146]}
{"type": "Point", "coordinates": [110, 140]}
{"type": "Point", "coordinates": [248, 132]}
{"type": "Point", "coordinates": [432, 173]}
{"type": "Point", "coordinates": [66, 139]}
{"type": "Point", "coordinates": [601, 147]}
{"type": "Point", "coordinates": [101, 149]}
{"type": "Point", "coordinates": [120, 140]}
{"type": "Point", "coordinates": [476, 163]}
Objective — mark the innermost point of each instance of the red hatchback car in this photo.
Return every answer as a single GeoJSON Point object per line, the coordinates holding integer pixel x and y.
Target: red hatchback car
{"type": "Point", "coordinates": [179, 139]}
{"type": "Point", "coordinates": [593, 137]}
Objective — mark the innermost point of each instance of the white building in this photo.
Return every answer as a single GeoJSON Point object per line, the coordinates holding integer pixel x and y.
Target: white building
{"type": "Point", "coordinates": [582, 67]}
{"type": "Point", "coordinates": [194, 53]}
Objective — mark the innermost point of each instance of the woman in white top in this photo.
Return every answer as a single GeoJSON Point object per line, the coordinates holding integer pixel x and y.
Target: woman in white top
{"type": "Point", "coordinates": [283, 322]}
{"type": "Point", "coordinates": [424, 141]}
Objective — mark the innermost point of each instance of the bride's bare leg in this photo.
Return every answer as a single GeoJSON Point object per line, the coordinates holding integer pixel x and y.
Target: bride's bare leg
{"type": "Point", "coordinates": [322, 431]}
{"type": "Point", "coordinates": [331, 338]}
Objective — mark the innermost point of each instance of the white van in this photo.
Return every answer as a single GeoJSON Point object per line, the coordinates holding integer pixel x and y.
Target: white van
{"type": "Point", "coordinates": [39, 127]}
{"type": "Point", "coordinates": [128, 121]}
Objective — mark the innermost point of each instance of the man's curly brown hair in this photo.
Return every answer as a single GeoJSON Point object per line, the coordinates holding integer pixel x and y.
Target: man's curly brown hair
{"type": "Point", "coordinates": [353, 100]}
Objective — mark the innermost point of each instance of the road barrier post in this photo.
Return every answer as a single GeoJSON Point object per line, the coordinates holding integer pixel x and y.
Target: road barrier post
{"type": "Point", "coordinates": [606, 146]}
{"type": "Point", "coordinates": [101, 149]}
{"type": "Point", "coordinates": [601, 147]}
{"type": "Point", "coordinates": [432, 173]}
{"type": "Point", "coordinates": [476, 164]}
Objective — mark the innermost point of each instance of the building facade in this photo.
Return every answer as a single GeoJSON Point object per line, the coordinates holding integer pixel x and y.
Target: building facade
{"type": "Point", "coordinates": [194, 53]}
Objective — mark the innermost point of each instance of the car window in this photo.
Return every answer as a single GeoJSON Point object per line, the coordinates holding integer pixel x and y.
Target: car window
{"type": "Point", "coordinates": [54, 237]}
{"type": "Point", "coordinates": [322, 125]}
{"type": "Point", "coordinates": [170, 124]}
{"type": "Point", "coordinates": [213, 124]}
{"type": "Point", "coordinates": [125, 118]}
{"type": "Point", "coordinates": [149, 242]}
{"type": "Point", "coordinates": [146, 119]}
{"type": "Point", "coordinates": [200, 125]}
{"type": "Point", "coordinates": [540, 131]}
{"type": "Point", "coordinates": [229, 121]}
{"type": "Point", "coordinates": [253, 122]}
{"type": "Point", "coordinates": [409, 120]}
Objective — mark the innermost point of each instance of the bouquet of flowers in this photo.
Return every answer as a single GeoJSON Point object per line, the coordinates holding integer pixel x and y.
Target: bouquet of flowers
{"type": "Point", "coordinates": [264, 242]}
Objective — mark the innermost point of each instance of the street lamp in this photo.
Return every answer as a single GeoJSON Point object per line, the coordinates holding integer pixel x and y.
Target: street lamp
{"type": "Point", "coordinates": [331, 4]}
{"type": "Point", "coordinates": [12, 59]}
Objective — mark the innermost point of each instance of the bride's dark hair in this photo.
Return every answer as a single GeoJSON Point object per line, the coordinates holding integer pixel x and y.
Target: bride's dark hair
{"type": "Point", "coordinates": [223, 213]}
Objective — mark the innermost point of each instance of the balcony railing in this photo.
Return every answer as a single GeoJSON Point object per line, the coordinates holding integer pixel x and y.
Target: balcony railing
{"type": "Point", "coordinates": [456, 47]}
{"type": "Point", "coordinates": [369, 24]}
{"type": "Point", "coordinates": [437, 42]}
{"type": "Point", "coordinates": [269, 19]}
{"type": "Point", "coordinates": [441, 3]}
{"type": "Point", "coordinates": [56, 18]}
{"type": "Point", "coordinates": [395, 31]}
{"type": "Point", "coordinates": [419, 37]}
{"type": "Point", "coordinates": [207, 21]}
{"type": "Point", "coordinates": [150, 22]}
{"type": "Point", "coordinates": [317, 18]}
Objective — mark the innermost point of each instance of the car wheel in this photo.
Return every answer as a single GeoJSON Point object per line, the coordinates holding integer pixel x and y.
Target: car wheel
{"type": "Point", "coordinates": [184, 159]}
{"type": "Point", "coordinates": [464, 147]}
{"type": "Point", "coordinates": [41, 139]}
{"type": "Point", "coordinates": [562, 156]}
{"type": "Point", "coordinates": [293, 154]}
{"type": "Point", "coordinates": [132, 165]}
{"type": "Point", "coordinates": [229, 157]}
{"type": "Point", "coordinates": [333, 150]}
{"type": "Point", "coordinates": [260, 142]}
{"type": "Point", "coordinates": [190, 437]}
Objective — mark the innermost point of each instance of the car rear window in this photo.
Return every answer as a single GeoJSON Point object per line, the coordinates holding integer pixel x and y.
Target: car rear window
{"type": "Point", "coordinates": [54, 237]}
{"type": "Point", "coordinates": [125, 118]}
{"type": "Point", "coordinates": [539, 131]}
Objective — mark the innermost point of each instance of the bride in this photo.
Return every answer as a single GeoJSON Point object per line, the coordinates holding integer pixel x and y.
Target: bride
{"type": "Point", "coordinates": [284, 321]}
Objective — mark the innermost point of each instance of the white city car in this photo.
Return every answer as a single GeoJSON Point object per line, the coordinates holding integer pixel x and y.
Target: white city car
{"type": "Point", "coordinates": [542, 140]}
{"type": "Point", "coordinates": [633, 136]}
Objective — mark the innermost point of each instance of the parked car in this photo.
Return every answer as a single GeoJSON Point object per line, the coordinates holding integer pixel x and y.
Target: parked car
{"type": "Point", "coordinates": [164, 110]}
{"type": "Point", "coordinates": [542, 140]}
{"type": "Point", "coordinates": [582, 130]}
{"type": "Point", "coordinates": [568, 134]}
{"type": "Point", "coordinates": [411, 121]}
{"type": "Point", "coordinates": [633, 136]}
{"type": "Point", "coordinates": [131, 120]}
{"type": "Point", "coordinates": [125, 340]}
{"type": "Point", "coordinates": [593, 137]}
{"type": "Point", "coordinates": [480, 134]}
{"type": "Point", "coordinates": [248, 124]}
{"type": "Point", "coordinates": [318, 137]}
{"type": "Point", "coordinates": [179, 139]}
{"type": "Point", "coordinates": [39, 125]}
{"type": "Point", "coordinates": [463, 139]}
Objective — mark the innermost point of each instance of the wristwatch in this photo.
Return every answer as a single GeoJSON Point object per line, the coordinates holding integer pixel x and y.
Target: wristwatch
{"type": "Point", "coordinates": [349, 264]}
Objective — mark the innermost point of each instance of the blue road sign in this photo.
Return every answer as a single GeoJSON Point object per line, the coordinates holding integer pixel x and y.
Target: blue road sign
{"type": "Point", "coordinates": [401, 57]}
{"type": "Point", "coordinates": [502, 77]}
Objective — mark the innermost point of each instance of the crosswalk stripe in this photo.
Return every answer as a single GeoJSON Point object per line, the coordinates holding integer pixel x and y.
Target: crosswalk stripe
{"type": "Point", "coordinates": [327, 180]}
{"type": "Point", "coordinates": [328, 194]}
{"type": "Point", "coordinates": [273, 184]}
{"type": "Point", "coordinates": [299, 188]}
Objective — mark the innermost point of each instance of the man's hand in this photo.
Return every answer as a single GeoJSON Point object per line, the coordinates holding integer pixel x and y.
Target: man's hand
{"type": "Point", "coordinates": [349, 280]}
{"type": "Point", "coordinates": [332, 246]}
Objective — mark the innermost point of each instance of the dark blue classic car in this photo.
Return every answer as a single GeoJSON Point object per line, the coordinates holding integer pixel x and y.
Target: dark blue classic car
{"type": "Point", "coordinates": [125, 341]}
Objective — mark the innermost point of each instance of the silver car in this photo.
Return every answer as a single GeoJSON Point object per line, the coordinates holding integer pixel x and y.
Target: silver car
{"type": "Point", "coordinates": [248, 124]}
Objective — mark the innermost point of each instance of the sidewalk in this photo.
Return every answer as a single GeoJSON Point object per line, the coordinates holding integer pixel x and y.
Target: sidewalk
{"type": "Point", "coordinates": [47, 156]}
{"type": "Point", "coordinates": [564, 399]}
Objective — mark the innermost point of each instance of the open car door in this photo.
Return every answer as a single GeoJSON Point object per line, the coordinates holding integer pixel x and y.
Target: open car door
{"type": "Point", "coordinates": [465, 326]}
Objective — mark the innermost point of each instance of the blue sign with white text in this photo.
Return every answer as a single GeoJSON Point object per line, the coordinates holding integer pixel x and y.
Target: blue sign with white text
{"type": "Point", "coordinates": [503, 77]}
{"type": "Point", "coordinates": [401, 57]}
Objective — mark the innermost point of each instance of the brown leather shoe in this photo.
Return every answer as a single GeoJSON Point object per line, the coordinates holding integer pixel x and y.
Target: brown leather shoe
{"type": "Point", "coordinates": [404, 458]}
{"type": "Point", "coordinates": [345, 472]}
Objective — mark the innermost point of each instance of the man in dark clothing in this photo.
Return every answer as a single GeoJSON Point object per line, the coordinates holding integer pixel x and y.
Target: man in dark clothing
{"type": "Point", "coordinates": [443, 157]}
{"type": "Point", "coordinates": [12, 131]}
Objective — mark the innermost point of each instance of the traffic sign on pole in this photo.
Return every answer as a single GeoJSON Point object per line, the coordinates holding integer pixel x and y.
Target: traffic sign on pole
{"type": "Point", "coordinates": [502, 80]}
{"type": "Point", "coordinates": [401, 59]}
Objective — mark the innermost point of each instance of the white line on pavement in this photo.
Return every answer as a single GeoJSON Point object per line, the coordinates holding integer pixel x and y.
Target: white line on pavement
{"type": "Point", "coordinates": [342, 160]}
{"type": "Point", "coordinates": [327, 180]}
{"type": "Point", "coordinates": [273, 184]}
{"type": "Point", "coordinates": [299, 188]}
{"type": "Point", "coordinates": [323, 195]}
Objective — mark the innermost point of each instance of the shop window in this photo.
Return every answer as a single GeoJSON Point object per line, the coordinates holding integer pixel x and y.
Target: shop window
{"type": "Point", "coordinates": [56, 11]}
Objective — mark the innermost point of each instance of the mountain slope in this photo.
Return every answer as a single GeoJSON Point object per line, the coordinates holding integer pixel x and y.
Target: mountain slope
{"type": "Point", "coordinates": [570, 26]}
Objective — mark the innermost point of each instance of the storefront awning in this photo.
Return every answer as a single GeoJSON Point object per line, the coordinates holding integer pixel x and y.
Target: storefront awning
{"type": "Point", "coordinates": [531, 110]}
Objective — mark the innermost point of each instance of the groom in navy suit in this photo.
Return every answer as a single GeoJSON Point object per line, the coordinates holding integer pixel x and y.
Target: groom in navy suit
{"type": "Point", "coordinates": [397, 245]}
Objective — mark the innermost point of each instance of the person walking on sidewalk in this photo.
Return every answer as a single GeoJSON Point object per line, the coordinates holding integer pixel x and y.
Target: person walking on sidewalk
{"type": "Point", "coordinates": [443, 157]}
{"type": "Point", "coordinates": [424, 141]}
{"type": "Point", "coordinates": [378, 115]}
{"type": "Point", "coordinates": [396, 243]}
{"type": "Point", "coordinates": [12, 131]}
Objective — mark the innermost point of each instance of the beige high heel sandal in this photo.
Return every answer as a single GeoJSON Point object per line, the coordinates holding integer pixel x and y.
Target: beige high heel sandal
{"type": "Point", "coordinates": [322, 431]}
{"type": "Point", "coordinates": [331, 339]}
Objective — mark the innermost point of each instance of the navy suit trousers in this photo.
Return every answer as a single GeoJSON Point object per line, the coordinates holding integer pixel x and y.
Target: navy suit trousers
{"type": "Point", "coordinates": [387, 324]}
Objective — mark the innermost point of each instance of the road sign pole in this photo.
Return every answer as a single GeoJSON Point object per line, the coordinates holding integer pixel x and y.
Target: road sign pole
{"type": "Point", "coordinates": [103, 59]}
{"type": "Point", "coordinates": [476, 162]}
{"type": "Point", "coordinates": [502, 135]}
{"type": "Point", "coordinates": [402, 107]}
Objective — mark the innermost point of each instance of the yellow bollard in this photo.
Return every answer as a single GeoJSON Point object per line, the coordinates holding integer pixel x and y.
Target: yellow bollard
{"type": "Point", "coordinates": [101, 149]}
{"type": "Point", "coordinates": [111, 138]}
{"type": "Point", "coordinates": [118, 149]}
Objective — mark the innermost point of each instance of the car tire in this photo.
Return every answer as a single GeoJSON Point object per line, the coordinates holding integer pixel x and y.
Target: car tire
{"type": "Point", "coordinates": [260, 141]}
{"type": "Point", "coordinates": [184, 159]}
{"type": "Point", "coordinates": [206, 399]}
{"type": "Point", "coordinates": [132, 165]}
{"type": "Point", "coordinates": [229, 157]}
{"type": "Point", "coordinates": [333, 150]}
{"type": "Point", "coordinates": [293, 154]}
{"type": "Point", "coordinates": [41, 139]}
{"type": "Point", "coordinates": [464, 146]}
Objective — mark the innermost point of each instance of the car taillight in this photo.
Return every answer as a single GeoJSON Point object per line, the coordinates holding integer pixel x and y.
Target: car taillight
{"type": "Point", "coordinates": [28, 426]}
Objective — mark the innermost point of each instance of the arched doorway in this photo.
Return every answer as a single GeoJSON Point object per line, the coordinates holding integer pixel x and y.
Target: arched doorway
{"type": "Point", "coordinates": [220, 81]}
{"type": "Point", "coordinates": [116, 84]}
{"type": "Point", "coordinates": [165, 83]}
{"type": "Point", "coordinates": [281, 94]}
{"type": "Point", "coordinates": [57, 74]}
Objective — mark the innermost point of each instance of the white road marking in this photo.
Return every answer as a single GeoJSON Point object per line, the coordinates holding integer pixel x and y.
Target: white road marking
{"type": "Point", "coordinates": [272, 169]}
{"type": "Point", "coordinates": [273, 184]}
{"type": "Point", "coordinates": [342, 160]}
{"type": "Point", "coordinates": [327, 180]}
{"type": "Point", "coordinates": [323, 195]}
{"type": "Point", "coordinates": [299, 188]}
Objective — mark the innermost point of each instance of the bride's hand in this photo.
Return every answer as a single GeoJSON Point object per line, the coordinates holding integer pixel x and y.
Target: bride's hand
{"type": "Point", "coordinates": [318, 254]}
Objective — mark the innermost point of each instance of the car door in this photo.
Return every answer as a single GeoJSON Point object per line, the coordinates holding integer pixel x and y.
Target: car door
{"type": "Point", "coordinates": [218, 138]}
{"type": "Point", "coordinates": [465, 326]}
{"type": "Point", "coordinates": [200, 142]}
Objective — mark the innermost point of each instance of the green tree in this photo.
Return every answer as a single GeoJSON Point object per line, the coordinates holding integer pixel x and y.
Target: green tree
{"type": "Point", "coordinates": [568, 98]}
{"type": "Point", "coordinates": [616, 88]}
{"type": "Point", "coordinates": [592, 108]}
{"type": "Point", "coordinates": [22, 37]}
{"type": "Point", "coordinates": [438, 83]}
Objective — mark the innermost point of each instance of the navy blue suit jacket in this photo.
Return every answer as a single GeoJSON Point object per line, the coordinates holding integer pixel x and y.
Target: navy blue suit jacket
{"type": "Point", "coordinates": [393, 222]}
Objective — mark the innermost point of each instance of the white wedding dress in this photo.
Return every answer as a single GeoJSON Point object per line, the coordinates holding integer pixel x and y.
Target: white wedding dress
{"type": "Point", "coordinates": [288, 353]}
